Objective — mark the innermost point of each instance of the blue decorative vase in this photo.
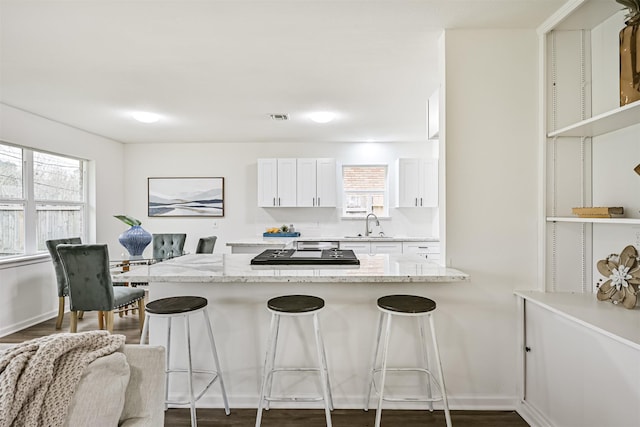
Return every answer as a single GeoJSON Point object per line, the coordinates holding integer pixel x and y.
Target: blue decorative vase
{"type": "Point", "coordinates": [135, 239]}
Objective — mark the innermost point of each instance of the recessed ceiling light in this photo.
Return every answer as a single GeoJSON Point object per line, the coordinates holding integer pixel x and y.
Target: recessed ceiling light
{"type": "Point", "coordinates": [145, 117]}
{"type": "Point", "coordinates": [322, 116]}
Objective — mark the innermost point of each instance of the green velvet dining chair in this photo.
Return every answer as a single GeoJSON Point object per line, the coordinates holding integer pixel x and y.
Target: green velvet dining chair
{"type": "Point", "coordinates": [63, 288]}
{"type": "Point", "coordinates": [86, 269]}
{"type": "Point", "coordinates": [206, 245]}
{"type": "Point", "coordinates": [168, 245]}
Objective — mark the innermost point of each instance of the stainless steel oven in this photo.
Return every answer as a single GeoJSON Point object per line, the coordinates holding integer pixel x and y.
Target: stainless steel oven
{"type": "Point", "coordinates": [316, 245]}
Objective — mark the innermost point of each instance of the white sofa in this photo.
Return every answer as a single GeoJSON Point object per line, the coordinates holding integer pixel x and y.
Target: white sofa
{"type": "Point", "coordinates": [125, 389]}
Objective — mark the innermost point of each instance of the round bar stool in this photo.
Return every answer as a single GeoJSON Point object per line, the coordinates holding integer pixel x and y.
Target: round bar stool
{"type": "Point", "coordinates": [408, 306]}
{"type": "Point", "coordinates": [185, 306]}
{"type": "Point", "coordinates": [294, 306]}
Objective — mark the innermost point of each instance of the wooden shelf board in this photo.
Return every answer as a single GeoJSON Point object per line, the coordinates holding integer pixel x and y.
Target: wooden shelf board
{"type": "Point", "coordinates": [619, 118]}
{"type": "Point", "coordinates": [594, 220]}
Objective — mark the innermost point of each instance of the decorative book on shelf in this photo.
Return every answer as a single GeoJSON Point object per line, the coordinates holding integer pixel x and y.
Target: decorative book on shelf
{"type": "Point", "coordinates": [598, 212]}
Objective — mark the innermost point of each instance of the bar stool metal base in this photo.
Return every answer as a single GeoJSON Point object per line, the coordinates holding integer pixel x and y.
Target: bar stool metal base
{"type": "Point", "coordinates": [185, 307]}
{"type": "Point", "coordinates": [407, 306]}
{"type": "Point", "coordinates": [293, 306]}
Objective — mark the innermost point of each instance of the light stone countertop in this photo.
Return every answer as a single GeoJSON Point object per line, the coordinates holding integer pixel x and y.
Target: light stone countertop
{"type": "Point", "coordinates": [236, 268]}
{"type": "Point", "coordinates": [268, 241]}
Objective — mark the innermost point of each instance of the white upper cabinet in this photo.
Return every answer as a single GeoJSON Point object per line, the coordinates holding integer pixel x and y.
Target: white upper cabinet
{"type": "Point", "coordinates": [296, 182]}
{"type": "Point", "coordinates": [326, 183]}
{"type": "Point", "coordinates": [433, 116]}
{"type": "Point", "coordinates": [316, 185]}
{"type": "Point", "coordinates": [417, 183]}
{"type": "Point", "coordinates": [277, 182]}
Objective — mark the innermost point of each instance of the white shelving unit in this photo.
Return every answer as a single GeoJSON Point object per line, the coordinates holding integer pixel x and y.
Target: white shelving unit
{"type": "Point", "coordinates": [601, 124]}
{"type": "Point", "coordinates": [589, 158]}
{"type": "Point", "coordinates": [589, 147]}
{"type": "Point", "coordinates": [595, 220]}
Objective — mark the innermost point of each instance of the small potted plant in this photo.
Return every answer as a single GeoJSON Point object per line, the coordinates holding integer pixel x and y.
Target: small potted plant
{"type": "Point", "coordinates": [135, 239]}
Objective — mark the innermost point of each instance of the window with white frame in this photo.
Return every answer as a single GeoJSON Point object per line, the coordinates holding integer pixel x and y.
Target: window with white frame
{"type": "Point", "coordinates": [42, 197]}
{"type": "Point", "coordinates": [364, 190]}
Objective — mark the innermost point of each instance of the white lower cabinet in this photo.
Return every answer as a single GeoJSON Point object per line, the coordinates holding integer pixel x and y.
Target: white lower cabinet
{"type": "Point", "coordinates": [386, 247]}
{"type": "Point", "coordinates": [575, 373]}
{"type": "Point", "coordinates": [373, 247]}
{"type": "Point", "coordinates": [429, 250]}
{"type": "Point", "coordinates": [356, 247]}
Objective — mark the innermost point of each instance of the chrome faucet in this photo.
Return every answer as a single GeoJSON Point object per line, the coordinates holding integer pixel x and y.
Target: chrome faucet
{"type": "Point", "coordinates": [367, 230]}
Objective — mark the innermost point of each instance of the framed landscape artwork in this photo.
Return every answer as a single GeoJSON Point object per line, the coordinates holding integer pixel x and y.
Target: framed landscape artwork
{"type": "Point", "coordinates": [186, 196]}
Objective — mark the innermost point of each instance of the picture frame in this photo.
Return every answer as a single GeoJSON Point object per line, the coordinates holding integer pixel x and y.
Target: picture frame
{"type": "Point", "coordinates": [185, 196]}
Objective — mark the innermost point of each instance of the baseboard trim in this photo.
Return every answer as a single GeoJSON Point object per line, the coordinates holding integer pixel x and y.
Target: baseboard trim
{"type": "Point", "coordinates": [531, 415]}
{"type": "Point", "coordinates": [16, 327]}
{"type": "Point", "coordinates": [455, 403]}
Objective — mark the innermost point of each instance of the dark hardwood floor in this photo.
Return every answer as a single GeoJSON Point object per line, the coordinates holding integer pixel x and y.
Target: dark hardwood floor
{"type": "Point", "coordinates": [128, 326]}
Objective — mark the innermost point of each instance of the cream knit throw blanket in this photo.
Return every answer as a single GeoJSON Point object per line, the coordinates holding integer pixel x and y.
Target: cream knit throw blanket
{"type": "Point", "coordinates": [38, 377]}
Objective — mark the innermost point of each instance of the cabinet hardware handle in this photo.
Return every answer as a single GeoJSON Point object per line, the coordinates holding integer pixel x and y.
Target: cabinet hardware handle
{"type": "Point", "coordinates": [274, 201]}
{"type": "Point", "coordinates": [318, 201]}
{"type": "Point", "coordinates": [416, 201]}
{"type": "Point", "coordinates": [527, 349]}
{"type": "Point", "coordinates": [278, 201]}
{"type": "Point", "coordinates": [420, 201]}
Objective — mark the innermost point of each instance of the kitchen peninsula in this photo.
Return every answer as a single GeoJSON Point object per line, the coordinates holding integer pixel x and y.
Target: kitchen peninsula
{"type": "Point", "coordinates": [238, 292]}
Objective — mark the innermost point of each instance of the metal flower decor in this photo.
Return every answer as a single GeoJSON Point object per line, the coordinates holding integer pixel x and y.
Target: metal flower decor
{"type": "Point", "coordinates": [623, 278]}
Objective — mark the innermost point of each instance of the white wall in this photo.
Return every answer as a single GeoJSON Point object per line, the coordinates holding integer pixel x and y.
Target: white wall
{"type": "Point", "coordinates": [491, 211]}
{"type": "Point", "coordinates": [29, 290]}
{"type": "Point", "coordinates": [237, 163]}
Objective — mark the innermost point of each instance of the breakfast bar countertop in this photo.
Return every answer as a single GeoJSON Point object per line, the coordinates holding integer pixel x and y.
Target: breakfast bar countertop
{"type": "Point", "coordinates": [236, 268]}
{"type": "Point", "coordinates": [267, 241]}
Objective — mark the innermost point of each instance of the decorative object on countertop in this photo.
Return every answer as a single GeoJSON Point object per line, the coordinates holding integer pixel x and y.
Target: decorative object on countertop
{"type": "Point", "coordinates": [598, 212]}
{"type": "Point", "coordinates": [281, 234]}
{"type": "Point", "coordinates": [637, 169]}
{"type": "Point", "coordinates": [630, 54]}
{"type": "Point", "coordinates": [623, 277]}
{"type": "Point", "coordinates": [283, 231]}
{"type": "Point", "coordinates": [136, 238]}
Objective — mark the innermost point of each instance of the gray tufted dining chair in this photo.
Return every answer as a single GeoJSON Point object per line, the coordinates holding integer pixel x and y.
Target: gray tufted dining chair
{"type": "Point", "coordinates": [206, 245]}
{"type": "Point", "coordinates": [86, 268]}
{"type": "Point", "coordinates": [168, 245]}
{"type": "Point", "coordinates": [63, 288]}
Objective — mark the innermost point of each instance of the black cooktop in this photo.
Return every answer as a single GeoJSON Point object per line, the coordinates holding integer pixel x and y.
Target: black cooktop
{"type": "Point", "coordinates": [293, 257]}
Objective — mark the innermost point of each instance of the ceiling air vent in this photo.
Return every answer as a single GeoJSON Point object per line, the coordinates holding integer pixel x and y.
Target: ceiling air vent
{"type": "Point", "coordinates": [279, 116]}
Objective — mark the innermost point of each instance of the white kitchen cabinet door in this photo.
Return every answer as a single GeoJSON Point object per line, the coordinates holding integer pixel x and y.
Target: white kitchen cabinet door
{"type": "Point", "coordinates": [386, 247]}
{"type": "Point", "coordinates": [316, 183]}
{"type": "Point", "coordinates": [429, 184]}
{"type": "Point", "coordinates": [267, 182]}
{"type": "Point", "coordinates": [276, 182]}
{"type": "Point", "coordinates": [326, 183]}
{"type": "Point", "coordinates": [306, 182]}
{"type": "Point", "coordinates": [287, 179]}
{"type": "Point", "coordinates": [408, 183]}
{"type": "Point", "coordinates": [577, 376]}
{"type": "Point", "coordinates": [417, 183]}
{"type": "Point", "coordinates": [429, 250]}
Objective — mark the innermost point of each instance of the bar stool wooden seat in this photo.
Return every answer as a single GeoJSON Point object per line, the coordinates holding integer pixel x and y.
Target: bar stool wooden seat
{"type": "Point", "coordinates": [186, 306]}
{"type": "Point", "coordinates": [408, 306]}
{"type": "Point", "coordinates": [292, 306]}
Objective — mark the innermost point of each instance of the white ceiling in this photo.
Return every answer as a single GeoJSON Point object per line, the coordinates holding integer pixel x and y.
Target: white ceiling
{"type": "Point", "coordinates": [216, 69]}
